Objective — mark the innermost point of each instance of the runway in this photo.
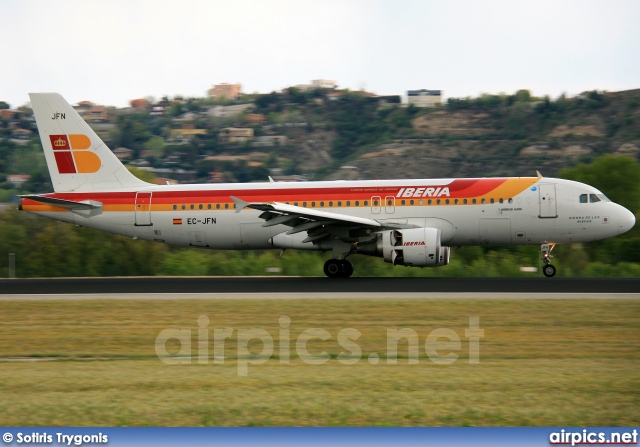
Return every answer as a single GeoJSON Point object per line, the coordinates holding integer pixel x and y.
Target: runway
{"type": "Point", "coordinates": [318, 287]}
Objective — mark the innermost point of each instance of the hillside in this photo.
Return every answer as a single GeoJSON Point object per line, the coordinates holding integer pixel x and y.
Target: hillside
{"type": "Point", "coordinates": [326, 134]}
{"type": "Point", "coordinates": [473, 138]}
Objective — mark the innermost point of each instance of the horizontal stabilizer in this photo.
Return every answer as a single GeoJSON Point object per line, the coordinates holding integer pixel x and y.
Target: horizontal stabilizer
{"type": "Point", "coordinates": [68, 204]}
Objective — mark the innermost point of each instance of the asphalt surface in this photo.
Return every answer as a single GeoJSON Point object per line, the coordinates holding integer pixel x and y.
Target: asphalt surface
{"type": "Point", "coordinates": [274, 285]}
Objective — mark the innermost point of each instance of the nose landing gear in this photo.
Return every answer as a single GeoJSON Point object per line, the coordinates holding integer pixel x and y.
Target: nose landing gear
{"type": "Point", "coordinates": [548, 270]}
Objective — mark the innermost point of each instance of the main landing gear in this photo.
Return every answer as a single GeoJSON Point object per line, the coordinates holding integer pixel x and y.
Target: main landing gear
{"type": "Point", "coordinates": [548, 269]}
{"type": "Point", "coordinates": [338, 268]}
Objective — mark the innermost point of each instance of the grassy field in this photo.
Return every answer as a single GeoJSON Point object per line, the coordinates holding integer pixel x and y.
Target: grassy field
{"type": "Point", "coordinates": [542, 363]}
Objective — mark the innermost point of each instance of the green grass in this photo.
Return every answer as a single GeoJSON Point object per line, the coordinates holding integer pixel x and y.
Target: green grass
{"type": "Point", "coordinates": [542, 363]}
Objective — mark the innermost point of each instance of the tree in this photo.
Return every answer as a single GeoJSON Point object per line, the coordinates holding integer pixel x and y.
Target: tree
{"type": "Point", "coordinates": [145, 176]}
{"type": "Point", "coordinates": [617, 177]}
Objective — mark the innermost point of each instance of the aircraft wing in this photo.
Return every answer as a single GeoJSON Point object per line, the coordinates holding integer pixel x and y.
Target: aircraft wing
{"type": "Point", "coordinates": [318, 224]}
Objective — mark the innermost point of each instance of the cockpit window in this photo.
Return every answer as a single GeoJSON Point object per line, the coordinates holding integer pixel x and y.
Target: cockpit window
{"type": "Point", "coordinates": [583, 198]}
{"type": "Point", "coordinates": [593, 198]}
{"type": "Point", "coordinates": [604, 198]}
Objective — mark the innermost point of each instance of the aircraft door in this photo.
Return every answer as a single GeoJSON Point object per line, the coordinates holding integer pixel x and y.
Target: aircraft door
{"type": "Point", "coordinates": [548, 205]}
{"type": "Point", "coordinates": [375, 204]}
{"type": "Point", "coordinates": [389, 204]}
{"type": "Point", "coordinates": [143, 209]}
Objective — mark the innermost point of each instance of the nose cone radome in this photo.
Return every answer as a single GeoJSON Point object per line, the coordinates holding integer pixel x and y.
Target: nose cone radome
{"type": "Point", "coordinates": [626, 221]}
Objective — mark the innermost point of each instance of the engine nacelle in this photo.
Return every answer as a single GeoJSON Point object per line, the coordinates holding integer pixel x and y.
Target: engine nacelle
{"type": "Point", "coordinates": [418, 247]}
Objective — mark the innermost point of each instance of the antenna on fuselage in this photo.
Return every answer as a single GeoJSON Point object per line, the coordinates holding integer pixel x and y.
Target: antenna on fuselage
{"type": "Point", "coordinates": [539, 175]}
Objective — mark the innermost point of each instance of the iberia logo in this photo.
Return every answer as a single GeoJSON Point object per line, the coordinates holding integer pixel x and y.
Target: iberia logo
{"type": "Point", "coordinates": [72, 156]}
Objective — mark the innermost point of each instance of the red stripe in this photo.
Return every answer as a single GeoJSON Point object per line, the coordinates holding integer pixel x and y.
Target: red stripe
{"type": "Point", "coordinates": [460, 188]}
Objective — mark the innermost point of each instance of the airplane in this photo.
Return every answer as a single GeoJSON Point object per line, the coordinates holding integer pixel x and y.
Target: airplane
{"type": "Point", "coordinates": [411, 222]}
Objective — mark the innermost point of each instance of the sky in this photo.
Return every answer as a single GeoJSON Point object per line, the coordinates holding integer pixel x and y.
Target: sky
{"type": "Point", "coordinates": [112, 51]}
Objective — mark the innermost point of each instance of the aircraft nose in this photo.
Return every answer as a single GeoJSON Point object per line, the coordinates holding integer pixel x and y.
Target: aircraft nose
{"type": "Point", "coordinates": [626, 221]}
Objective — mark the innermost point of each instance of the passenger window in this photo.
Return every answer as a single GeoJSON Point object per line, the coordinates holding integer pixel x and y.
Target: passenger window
{"type": "Point", "coordinates": [474, 201]}
{"type": "Point", "coordinates": [593, 198]}
{"type": "Point", "coordinates": [175, 207]}
{"type": "Point", "coordinates": [583, 198]}
{"type": "Point", "coordinates": [209, 206]}
{"type": "Point", "coordinates": [348, 202]}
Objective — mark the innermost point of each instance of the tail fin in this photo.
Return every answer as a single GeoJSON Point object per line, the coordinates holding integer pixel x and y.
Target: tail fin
{"type": "Point", "coordinates": [77, 158]}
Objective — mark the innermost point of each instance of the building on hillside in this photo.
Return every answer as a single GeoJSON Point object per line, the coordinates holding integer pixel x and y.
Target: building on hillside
{"type": "Point", "coordinates": [324, 83]}
{"type": "Point", "coordinates": [236, 135]}
{"type": "Point", "coordinates": [185, 134]}
{"type": "Point", "coordinates": [317, 84]}
{"type": "Point", "coordinates": [424, 97]}
{"type": "Point", "coordinates": [123, 153]}
{"type": "Point", "coordinates": [224, 90]}
{"type": "Point", "coordinates": [18, 180]}
{"type": "Point", "coordinates": [185, 117]}
{"type": "Point", "coordinates": [159, 109]}
{"type": "Point", "coordinates": [96, 114]}
{"type": "Point", "coordinates": [227, 111]}
{"type": "Point", "coordinates": [269, 141]}
{"type": "Point", "coordinates": [255, 118]}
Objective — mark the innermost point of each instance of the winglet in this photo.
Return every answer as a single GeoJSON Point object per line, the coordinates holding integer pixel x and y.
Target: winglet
{"type": "Point", "coordinates": [240, 204]}
{"type": "Point", "coordinates": [539, 175]}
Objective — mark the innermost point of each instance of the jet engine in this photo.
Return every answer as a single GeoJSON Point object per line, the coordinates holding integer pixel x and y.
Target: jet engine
{"type": "Point", "coordinates": [418, 247]}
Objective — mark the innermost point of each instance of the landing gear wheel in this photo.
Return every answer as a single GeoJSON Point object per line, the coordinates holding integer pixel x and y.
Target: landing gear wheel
{"type": "Point", "coordinates": [338, 268]}
{"type": "Point", "coordinates": [347, 268]}
{"type": "Point", "coordinates": [549, 270]}
{"type": "Point", "coordinates": [333, 268]}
